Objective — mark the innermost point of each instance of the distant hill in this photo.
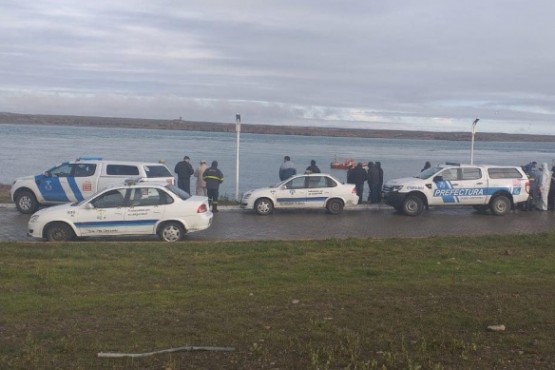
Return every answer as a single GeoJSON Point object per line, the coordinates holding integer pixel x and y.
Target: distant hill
{"type": "Point", "coordinates": [42, 119]}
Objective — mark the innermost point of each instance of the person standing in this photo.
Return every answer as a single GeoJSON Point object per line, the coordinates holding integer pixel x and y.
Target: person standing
{"type": "Point", "coordinates": [373, 183]}
{"type": "Point", "coordinates": [184, 170]}
{"type": "Point", "coordinates": [359, 176]}
{"type": "Point", "coordinates": [312, 168]}
{"type": "Point", "coordinates": [426, 166]}
{"type": "Point", "coordinates": [213, 178]}
{"type": "Point", "coordinates": [287, 169]}
{"type": "Point", "coordinates": [380, 181]}
{"type": "Point", "coordinates": [542, 184]}
{"type": "Point", "coordinates": [201, 184]}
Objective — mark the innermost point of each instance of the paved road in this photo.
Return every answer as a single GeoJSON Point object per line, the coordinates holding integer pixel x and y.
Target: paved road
{"type": "Point", "coordinates": [367, 222]}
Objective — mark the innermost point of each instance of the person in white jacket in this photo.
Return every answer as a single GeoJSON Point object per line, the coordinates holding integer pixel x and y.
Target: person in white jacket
{"type": "Point", "coordinates": [542, 184]}
{"type": "Point", "coordinates": [201, 184]}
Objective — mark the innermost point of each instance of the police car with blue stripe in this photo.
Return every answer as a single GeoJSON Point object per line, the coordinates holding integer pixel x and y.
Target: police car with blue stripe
{"type": "Point", "coordinates": [317, 190]}
{"type": "Point", "coordinates": [485, 187]}
{"type": "Point", "coordinates": [77, 180]}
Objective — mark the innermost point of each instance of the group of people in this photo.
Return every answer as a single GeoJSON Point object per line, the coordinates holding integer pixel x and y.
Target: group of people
{"type": "Point", "coordinates": [208, 179]}
{"type": "Point", "coordinates": [373, 175]}
{"type": "Point", "coordinates": [543, 185]}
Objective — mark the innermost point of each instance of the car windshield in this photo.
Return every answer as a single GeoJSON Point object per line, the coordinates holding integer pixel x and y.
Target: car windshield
{"type": "Point", "coordinates": [426, 174]}
{"type": "Point", "coordinates": [177, 191]}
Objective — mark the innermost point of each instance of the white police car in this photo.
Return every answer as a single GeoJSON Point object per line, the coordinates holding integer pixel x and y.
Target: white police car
{"type": "Point", "coordinates": [497, 188]}
{"type": "Point", "coordinates": [77, 180]}
{"type": "Point", "coordinates": [316, 190]}
{"type": "Point", "coordinates": [141, 209]}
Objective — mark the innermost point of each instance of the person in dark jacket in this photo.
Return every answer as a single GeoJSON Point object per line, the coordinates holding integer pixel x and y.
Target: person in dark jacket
{"type": "Point", "coordinates": [287, 169]}
{"type": "Point", "coordinates": [373, 183]}
{"type": "Point", "coordinates": [213, 178]}
{"type": "Point", "coordinates": [426, 166]}
{"type": "Point", "coordinates": [359, 176]}
{"type": "Point", "coordinates": [380, 181]}
{"type": "Point", "coordinates": [312, 168]}
{"type": "Point", "coordinates": [184, 171]}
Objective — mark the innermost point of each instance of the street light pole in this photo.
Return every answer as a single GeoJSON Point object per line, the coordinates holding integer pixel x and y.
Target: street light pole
{"type": "Point", "coordinates": [472, 143]}
{"type": "Point", "coordinates": [238, 131]}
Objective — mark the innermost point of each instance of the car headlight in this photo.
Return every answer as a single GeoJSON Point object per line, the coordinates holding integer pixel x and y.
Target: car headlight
{"type": "Point", "coordinates": [396, 187]}
{"type": "Point", "coordinates": [34, 218]}
{"type": "Point", "coordinates": [246, 196]}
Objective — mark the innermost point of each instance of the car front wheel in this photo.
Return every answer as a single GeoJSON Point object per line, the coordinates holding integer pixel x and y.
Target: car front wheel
{"type": "Point", "coordinates": [263, 206]}
{"type": "Point", "coordinates": [413, 205]}
{"type": "Point", "coordinates": [335, 206]}
{"type": "Point", "coordinates": [26, 202]}
{"type": "Point", "coordinates": [172, 232]}
{"type": "Point", "coordinates": [59, 232]}
{"type": "Point", "coordinates": [500, 205]}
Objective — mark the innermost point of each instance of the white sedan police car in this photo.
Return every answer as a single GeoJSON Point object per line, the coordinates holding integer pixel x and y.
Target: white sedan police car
{"type": "Point", "coordinates": [316, 190]}
{"type": "Point", "coordinates": [141, 209]}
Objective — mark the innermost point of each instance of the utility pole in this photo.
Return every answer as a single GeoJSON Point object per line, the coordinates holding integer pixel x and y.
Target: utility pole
{"type": "Point", "coordinates": [472, 143]}
{"type": "Point", "coordinates": [238, 131]}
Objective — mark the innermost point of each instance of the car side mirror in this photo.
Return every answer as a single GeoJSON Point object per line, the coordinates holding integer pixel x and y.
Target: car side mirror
{"type": "Point", "coordinates": [438, 178]}
{"type": "Point", "coordinates": [47, 174]}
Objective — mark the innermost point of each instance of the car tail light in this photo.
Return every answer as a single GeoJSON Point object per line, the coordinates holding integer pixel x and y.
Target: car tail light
{"type": "Point", "coordinates": [170, 181]}
{"type": "Point", "coordinates": [354, 191]}
{"type": "Point", "coordinates": [202, 208]}
{"type": "Point", "coordinates": [527, 186]}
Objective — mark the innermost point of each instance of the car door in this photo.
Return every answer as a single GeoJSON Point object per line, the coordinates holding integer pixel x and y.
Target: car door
{"type": "Point", "coordinates": [318, 191]}
{"type": "Point", "coordinates": [459, 186]}
{"type": "Point", "coordinates": [53, 184]}
{"type": "Point", "coordinates": [103, 215]}
{"type": "Point", "coordinates": [146, 207]}
{"type": "Point", "coordinates": [82, 180]}
{"type": "Point", "coordinates": [292, 194]}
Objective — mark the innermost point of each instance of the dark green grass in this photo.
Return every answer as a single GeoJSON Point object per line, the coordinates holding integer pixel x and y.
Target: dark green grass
{"type": "Point", "coordinates": [337, 304]}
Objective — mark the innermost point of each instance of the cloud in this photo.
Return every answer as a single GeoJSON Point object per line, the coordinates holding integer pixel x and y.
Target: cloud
{"type": "Point", "coordinates": [433, 65]}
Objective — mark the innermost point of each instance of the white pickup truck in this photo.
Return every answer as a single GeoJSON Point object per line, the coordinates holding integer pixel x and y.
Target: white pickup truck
{"type": "Point", "coordinates": [77, 180]}
{"type": "Point", "coordinates": [497, 188]}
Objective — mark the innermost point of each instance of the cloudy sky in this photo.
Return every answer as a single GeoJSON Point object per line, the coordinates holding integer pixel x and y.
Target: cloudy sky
{"type": "Point", "coordinates": [406, 65]}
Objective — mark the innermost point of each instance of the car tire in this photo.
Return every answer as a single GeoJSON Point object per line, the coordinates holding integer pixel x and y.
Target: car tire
{"type": "Point", "coordinates": [171, 232]}
{"type": "Point", "coordinates": [26, 202]}
{"type": "Point", "coordinates": [334, 206]}
{"type": "Point", "coordinates": [59, 232]}
{"type": "Point", "coordinates": [500, 205]}
{"type": "Point", "coordinates": [412, 205]}
{"type": "Point", "coordinates": [263, 206]}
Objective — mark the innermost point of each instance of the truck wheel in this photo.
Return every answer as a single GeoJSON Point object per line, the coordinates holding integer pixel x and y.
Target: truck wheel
{"type": "Point", "coordinates": [263, 206]}
{"type": "Point", "coordinates": [412, 205]}
{"type": "Point", "coordinates": [171, 232]}
{"type": "Point", "coordinates": [500, 205]}
{"type": "Point", "coordinates": [59, 232]}
{"type": "Point", "coordinates": [334, 206]}
{"type": "Point", "coordinates": [26, 202]}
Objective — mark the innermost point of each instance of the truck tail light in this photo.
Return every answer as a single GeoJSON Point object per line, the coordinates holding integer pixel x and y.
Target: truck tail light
{"type": "Point", "coordinates": [202, 208]}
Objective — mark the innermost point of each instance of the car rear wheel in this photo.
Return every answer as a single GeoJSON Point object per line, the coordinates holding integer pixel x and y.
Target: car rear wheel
{"type": "Point", "coordinates": [412, 205]}
{"type": "Point", "coordinates": [500, 205]}
{"type": "Point", "coordinates": [59, 232]}
{"type": "Point", "coordinates": [172, 232]}
{"type": "Point", "coordinates": [334, 206]}
{"type": "Point", "coordinates": [263, 206]}
{"type": "Point", "coordinates": [26, 202]}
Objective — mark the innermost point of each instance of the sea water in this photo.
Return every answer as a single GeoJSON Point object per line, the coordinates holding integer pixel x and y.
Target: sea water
{"type": "Point", "coordinates": [31, 149]}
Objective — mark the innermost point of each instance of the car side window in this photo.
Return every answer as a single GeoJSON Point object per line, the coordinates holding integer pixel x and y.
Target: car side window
{"type": "Point", "coordinates": [122, 170]}
{"type": "Point", "coordinates": [144, 197]}
{"type": "Point", "coordinates": [63, 170]}
{"type": "Point", "coordinates": [296, 183]}
{"type": "Point", "coordinates": [111, 199]}
{"type": "Point", "coordinates": [449, 174]}
{"type": "Point", "coordinates": [471, 174]}
{"type": "Point", "coordinates": [84, 170]}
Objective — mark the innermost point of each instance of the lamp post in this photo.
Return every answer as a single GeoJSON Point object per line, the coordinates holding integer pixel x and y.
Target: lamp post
{"type": "Point", "coordinates": [238, 131]}
{"type": "Point", "coordinates": [472, 143]}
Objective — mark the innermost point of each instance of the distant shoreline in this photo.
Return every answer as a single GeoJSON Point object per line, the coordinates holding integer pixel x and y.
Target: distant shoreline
{"type": "Point", "coordinates": [178, 124]}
